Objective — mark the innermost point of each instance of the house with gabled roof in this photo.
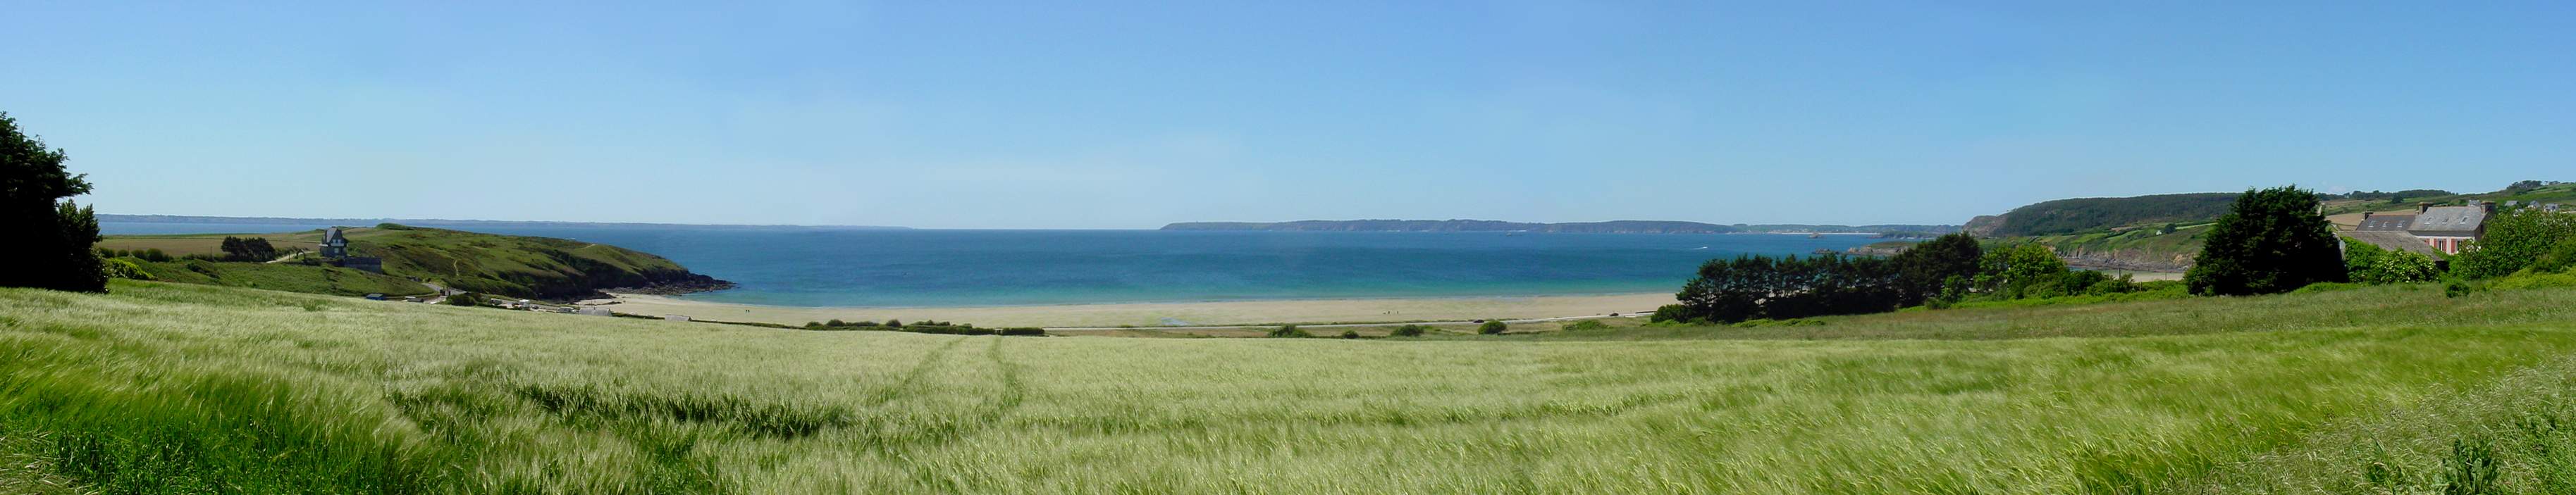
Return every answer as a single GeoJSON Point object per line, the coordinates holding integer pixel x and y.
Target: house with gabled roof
{"type": "Point", "coordinates": [2450, 228]}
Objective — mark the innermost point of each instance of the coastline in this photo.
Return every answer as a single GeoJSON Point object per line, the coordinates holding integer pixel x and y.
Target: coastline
{"type": "Point", "coordinates": [1150, 315]}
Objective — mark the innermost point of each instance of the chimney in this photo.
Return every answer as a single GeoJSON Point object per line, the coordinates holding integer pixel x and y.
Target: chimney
{"type": "Point", "coordinates": [2424, 207]}
{"type": "Point", "coordinates": [2366, 215]}
{"type": "Point", "coordinates": [2489, 206]}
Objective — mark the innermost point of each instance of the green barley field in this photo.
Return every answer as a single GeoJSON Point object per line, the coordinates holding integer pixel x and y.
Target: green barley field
{"type": "Point", "coordinates": [159, 388]}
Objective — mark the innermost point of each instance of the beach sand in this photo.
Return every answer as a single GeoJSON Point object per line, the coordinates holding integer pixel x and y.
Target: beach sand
{"type": "Point", "coordinates": [1165, 314]}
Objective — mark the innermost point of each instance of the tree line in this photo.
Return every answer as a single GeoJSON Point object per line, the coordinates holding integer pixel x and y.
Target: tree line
{"type": "Point", "coordinates": [1936, 273]}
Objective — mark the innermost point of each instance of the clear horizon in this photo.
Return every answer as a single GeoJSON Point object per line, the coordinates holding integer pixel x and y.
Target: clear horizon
{"type": "Point", "coordinates": [1123, 115]}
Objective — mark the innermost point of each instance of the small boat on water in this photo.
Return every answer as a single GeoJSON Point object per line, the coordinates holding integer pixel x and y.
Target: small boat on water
{"type": "Point", "coordinates": [1816, 235]}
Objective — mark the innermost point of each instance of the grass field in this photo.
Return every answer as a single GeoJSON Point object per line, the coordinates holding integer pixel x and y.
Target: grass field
{"type": "Point", "coordinates": [291, 277]}
{"type": "Point", "coordinates": [187, 389]}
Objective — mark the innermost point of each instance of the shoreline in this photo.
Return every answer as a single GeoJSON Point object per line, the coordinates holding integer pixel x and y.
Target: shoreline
{"type": "Point", "coordinates": [1166, 314]}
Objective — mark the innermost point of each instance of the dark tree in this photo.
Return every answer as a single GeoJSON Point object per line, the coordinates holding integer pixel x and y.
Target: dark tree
{"type": "Point", "coordinates": [2270, 241]}
{"type": "Point", "coordinates": [50, 236]}
{"type": "Point", "coordinates": [252, 249]}
{"type": "Point", "coordinates": [1493, 327]}
{"type": "Point", "coordinates": [1924, 270]}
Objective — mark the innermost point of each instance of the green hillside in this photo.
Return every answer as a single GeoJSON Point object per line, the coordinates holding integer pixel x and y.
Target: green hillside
{"type": "Point", "coordinates": [516, 266]}
{"type": "Point", "coordinates": [2557, 193]}
{"type": "Point", "coordinates": [164, 388]}
{"type": "Point", "coordinates": [2070, 216]}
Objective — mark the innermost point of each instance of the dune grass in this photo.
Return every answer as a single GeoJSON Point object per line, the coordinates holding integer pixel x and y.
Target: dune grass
{"type": "Point", "coordinates": [164, 388]}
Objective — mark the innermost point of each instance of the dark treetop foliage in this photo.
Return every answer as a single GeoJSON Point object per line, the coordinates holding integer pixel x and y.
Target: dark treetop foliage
{"type": "Point", "coordinates": [50, 237]}
{"type": "Point", "coordinates": [1751, 287]}
{"type": "Point", "coordinates": [252, 249]}
{"type": "Point", "coordinates": [2270, 241]}
{"type": "Point", "coordinates": [1940, 267]}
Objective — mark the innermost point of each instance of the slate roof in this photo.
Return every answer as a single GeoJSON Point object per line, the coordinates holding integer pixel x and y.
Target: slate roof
{"type": "Point", "coordinates": [2394, 241]}
{"type": "Point", "coordinates": [2452, 221]}
{"type": "Point", "coordinates": [2388, 223]}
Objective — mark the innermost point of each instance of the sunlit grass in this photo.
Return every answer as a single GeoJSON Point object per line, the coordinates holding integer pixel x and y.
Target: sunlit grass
{"type": "Point", "coordinates": [203, 389]}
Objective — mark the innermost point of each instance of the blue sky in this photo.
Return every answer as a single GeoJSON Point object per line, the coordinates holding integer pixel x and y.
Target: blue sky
{"type": "Point", "coordinates": [1131, 115]}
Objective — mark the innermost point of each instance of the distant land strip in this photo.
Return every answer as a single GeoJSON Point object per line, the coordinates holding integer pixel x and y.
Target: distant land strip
{"type": "Point", "coordinates": [367, 222]}
{"type": "Point", "coordinates": [1609, 227]}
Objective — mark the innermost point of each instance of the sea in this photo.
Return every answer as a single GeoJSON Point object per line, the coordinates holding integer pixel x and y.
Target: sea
{"type": "Point", "coordinates": [821, 266]}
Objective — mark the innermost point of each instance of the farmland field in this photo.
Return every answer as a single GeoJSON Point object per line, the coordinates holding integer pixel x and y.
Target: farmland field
{"type": "Point", "coordinates": [179, 388]}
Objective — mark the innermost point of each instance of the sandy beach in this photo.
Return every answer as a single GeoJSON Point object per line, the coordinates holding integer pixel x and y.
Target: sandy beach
{"type": "Point", "coordinates": [1165, 314]}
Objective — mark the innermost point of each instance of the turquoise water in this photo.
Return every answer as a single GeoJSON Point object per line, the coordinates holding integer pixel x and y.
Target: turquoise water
{"type": "Point", "coordinates": [886, 268]}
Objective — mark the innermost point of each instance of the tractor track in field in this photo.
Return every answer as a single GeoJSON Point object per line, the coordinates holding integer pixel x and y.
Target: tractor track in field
{"type": "Point", "coordinates": [912, 377]}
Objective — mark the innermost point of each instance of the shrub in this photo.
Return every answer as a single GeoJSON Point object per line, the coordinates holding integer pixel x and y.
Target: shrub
{"type": "Point", "coordinates": [1673, 313]}
{"type": "Point", "coordinates": [2457, 288]}
{"type": "Point", "coordinates": [2398, 267]}
{"type": "Point", "coordinates": [1580, 325]}
{"type": "Point", "coordinates": [1493, 327]}
{"type": "Point", "coordinates": [1409, 330]}
{"type": "Point", "coordinates": [155, 255]}
{"type": "Point", "coordinates": [2560, 258]}
{"type": "Point", "coordinates": [120, 268]}
{"type": "Point", "coordinates": [466, 299]}
{"type": "Point", "coordinates": [1288, 332]}
{"type": "Point", "coordinates": [2515, 241]}
{"type": "Point", "coordinates": [1350, 334]}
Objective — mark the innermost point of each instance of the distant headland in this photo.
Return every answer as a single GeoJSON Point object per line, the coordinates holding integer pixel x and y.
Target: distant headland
{"type": "Point", "coordinates": [1609, 227]}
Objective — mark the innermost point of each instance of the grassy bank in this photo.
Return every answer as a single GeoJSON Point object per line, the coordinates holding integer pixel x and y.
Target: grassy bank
{"type": "Point", "coordinates": [187, 388]}
{"type": "Point", "coordinates": [290, 277]}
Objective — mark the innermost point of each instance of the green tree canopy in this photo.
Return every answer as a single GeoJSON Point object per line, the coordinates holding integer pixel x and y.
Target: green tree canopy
{"type": "Point", "coordinates": [51, 236]}
{"type": "Point", "coordinates": [1930, 269]}
{"type": "Point", "coordinates": [2271, 241]}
